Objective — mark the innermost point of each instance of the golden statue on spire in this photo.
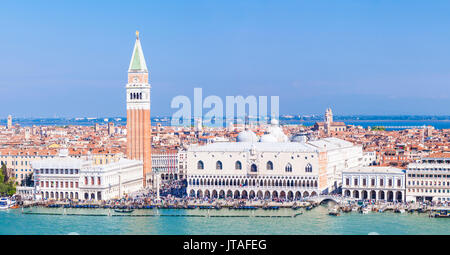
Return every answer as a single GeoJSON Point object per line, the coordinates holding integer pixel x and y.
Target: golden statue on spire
{"type": "Point", "coordinates": [137, 34]}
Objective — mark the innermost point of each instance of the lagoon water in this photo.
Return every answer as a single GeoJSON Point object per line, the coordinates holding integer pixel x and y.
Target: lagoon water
{"type": "Point", "coordinates": [438, 124]}
{"type": "Point", "coordinates": [316, 221]}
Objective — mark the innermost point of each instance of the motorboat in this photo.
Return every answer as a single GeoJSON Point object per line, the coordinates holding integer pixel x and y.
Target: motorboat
{"type": "Point", "coordinates": [334, 212]}
{"type": "Point", "coordinates": [365, 211]}
{"type": "Point", "coordinates": [400, 210]}
{"type": "Point", "coordinates": [440, 213]}
{"type": "Point", "coordinates": [309, 207]}
{"type": "Point", "coordinates": [5, 203]}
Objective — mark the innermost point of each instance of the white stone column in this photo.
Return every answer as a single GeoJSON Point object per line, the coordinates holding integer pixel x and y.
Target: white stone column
{"type": "Point", "coordinates": [157, 186]}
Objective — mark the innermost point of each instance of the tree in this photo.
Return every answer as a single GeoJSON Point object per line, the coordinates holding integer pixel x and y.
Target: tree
{"type": "Point", "coordinates": [7, 185]}
{"type": "Point", "coordinates": [11, 188]}
{"type": "Point", "coordinates": [3, 173]}
{"type": "Point", "coordinates": [378, 128]}
{"type": "Point", "coordinates": [28, 181]}
{"type": "Point", "coordinates": [3, 189]}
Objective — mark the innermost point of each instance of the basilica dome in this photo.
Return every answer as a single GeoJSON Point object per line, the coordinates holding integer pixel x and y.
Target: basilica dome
{"type": "Point", "coordinates": [277, 132]}
{"type": "Point", "coordinates": [274, 122]}
{"type": "Point", "coordinates": [268, 138]}
{"type": "Point", "coordinates": [247, 136]}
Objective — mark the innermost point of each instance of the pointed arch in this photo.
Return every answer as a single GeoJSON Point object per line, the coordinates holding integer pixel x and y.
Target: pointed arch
{"type": "Point", "coordinates": [219, 165]}
{"type": "Point", "coordinates": [238, 165]}
{"type": "Point", "coordinates": [200, 165]}
{"type": "Point", "coordinates": [308, 168]}
{"type": "Point", "coordinates": [269, 165]}
{"type": "Point", "coordinates": [288, 168]}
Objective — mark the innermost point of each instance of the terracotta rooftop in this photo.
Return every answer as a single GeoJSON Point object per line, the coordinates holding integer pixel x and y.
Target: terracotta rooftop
{"type": "Point", "coordinates": [440, 155]}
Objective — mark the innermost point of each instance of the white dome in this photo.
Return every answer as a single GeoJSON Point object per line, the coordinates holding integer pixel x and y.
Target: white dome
{"type": "Point", "coordinates": [247, 136]}
{"type": "Point", "coordinates": [268, 138]}
{"type": "Point", "coordinates": [278, 133]}
{"type": "Point", "coordinates": [274, 122]}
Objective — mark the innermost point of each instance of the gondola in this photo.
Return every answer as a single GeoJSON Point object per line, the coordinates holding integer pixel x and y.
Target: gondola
{"type": "Point", "coordinates": [125, 210]}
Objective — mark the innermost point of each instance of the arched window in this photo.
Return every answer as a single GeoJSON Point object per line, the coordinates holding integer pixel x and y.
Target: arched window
{"type": "Point", "coordinates": [269, 165]}
{"type": "Point", "coordinates": [200, 165]}
{"type": "Point", "coordinates": [219, 165]}
{"type": "Point", "coordinates": [308, 168]}
{"type": "Point", "coordinates": [288, 168]}
{"type": "Point", "coordinates": [238, 165]}
{"type": "Point", "coordinates": [254, 168]}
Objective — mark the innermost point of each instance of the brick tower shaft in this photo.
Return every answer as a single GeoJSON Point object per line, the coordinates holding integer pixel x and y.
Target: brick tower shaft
{"type": "Point", "coordinates": [138, 111]}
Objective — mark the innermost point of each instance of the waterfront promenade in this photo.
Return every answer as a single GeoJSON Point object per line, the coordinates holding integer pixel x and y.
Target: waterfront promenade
{"type": "Point", "coordinates": [338, 202]}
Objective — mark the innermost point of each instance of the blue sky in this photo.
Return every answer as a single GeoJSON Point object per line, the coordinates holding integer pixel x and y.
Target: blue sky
{"type": "Point", "coordinates": [70, 58]}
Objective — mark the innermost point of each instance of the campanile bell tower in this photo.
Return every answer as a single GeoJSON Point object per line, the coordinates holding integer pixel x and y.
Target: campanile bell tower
{"type": "Point", "coordinates": [138, 111]}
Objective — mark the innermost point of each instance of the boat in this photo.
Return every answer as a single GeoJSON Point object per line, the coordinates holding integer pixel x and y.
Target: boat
{"type": "Point", "coordinates": [347, 209]}
{"type": "Point", "coordinates": [364, 211]}
{"type": "Point", "coordinates": [5, 203]}
{"type": "Point", "coordinates": [15, 206]}
{"type": "Point", "coordinates": [334, 212]}
{"type": "Point", "coordinates": [271, 207]}
{"type": "Point", "coordinates": [440, 213]}
{"type": "Point", "coordinates": [124, 210]}
{"type": "Point", "coordinates": [400, 210]}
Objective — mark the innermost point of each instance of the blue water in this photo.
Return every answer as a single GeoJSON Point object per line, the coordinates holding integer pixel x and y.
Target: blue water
{"type": "Point", "coordinates": [316, 221]}
{"type": "Point", "coordinates": [438, 124]}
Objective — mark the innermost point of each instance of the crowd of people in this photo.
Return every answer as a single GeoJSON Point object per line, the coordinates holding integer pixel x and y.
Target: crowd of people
{"type": "Point", "coordinates": [174, 188]}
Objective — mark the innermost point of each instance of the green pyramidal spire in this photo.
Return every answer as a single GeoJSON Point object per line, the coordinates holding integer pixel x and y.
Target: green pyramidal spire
{"type": "Point", "coordinates": [137, 63]}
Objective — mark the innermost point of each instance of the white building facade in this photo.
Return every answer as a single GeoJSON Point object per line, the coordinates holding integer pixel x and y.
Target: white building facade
{"type": "Point", "coordinates": [429, 179]}
{"type": "Point", "coordinates": [270, 168]}
{"type": "Point", "coordinates": [252, 170]}
{"type": "Point", "coordinates": [374, 183]}
{"type": "Point", "coordinates": [165, 164]}
{"type": "Point", "coordinates": [63, 177]}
